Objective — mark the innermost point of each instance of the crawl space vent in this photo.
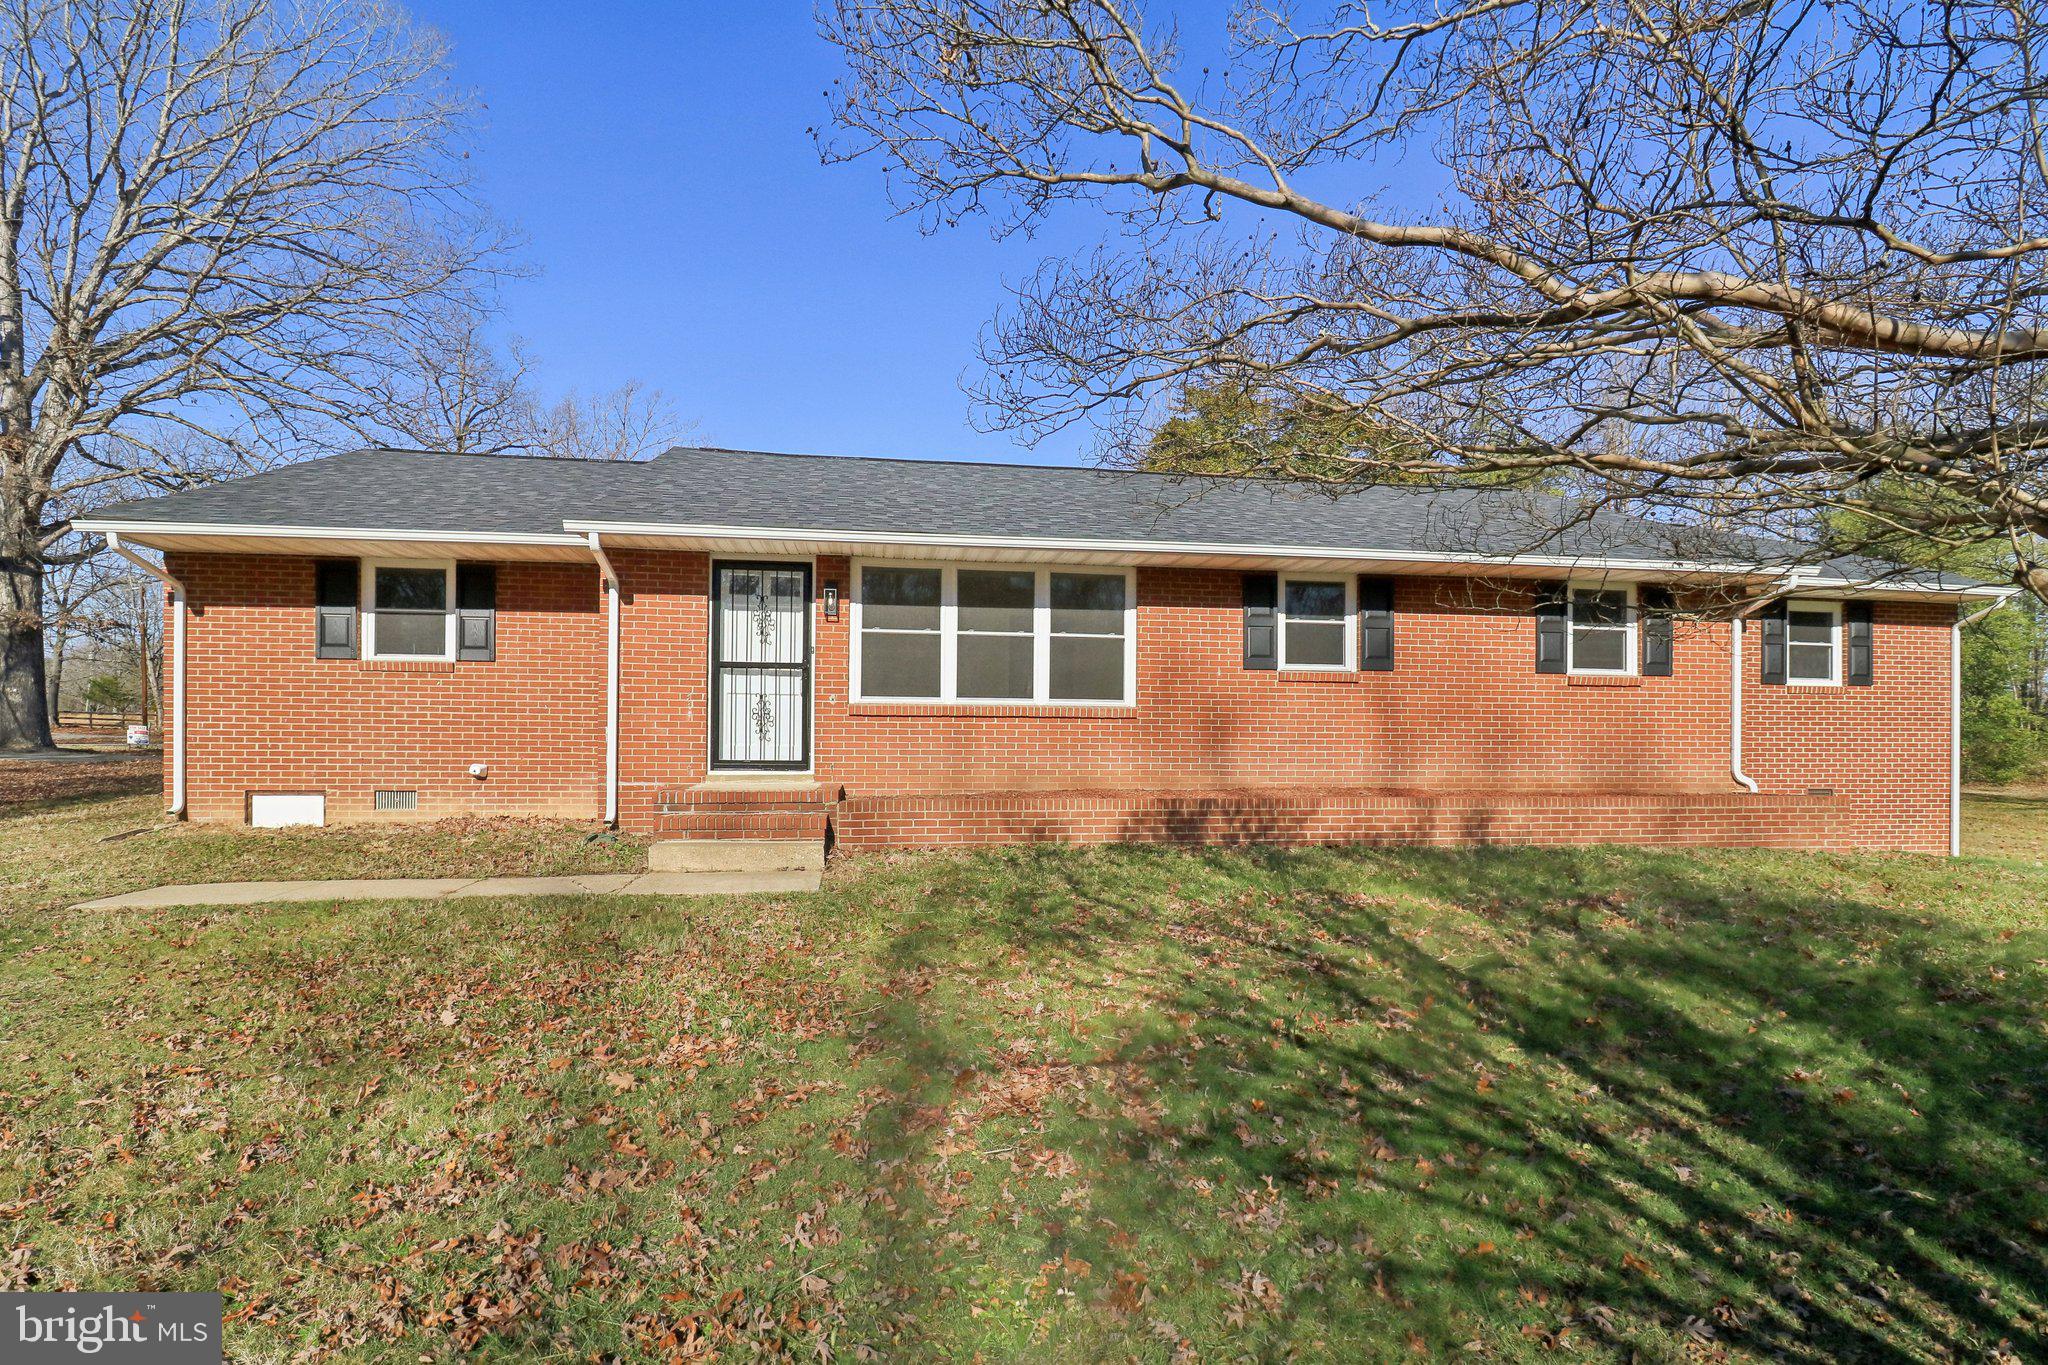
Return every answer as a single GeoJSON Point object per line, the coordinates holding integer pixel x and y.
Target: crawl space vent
{"type": "Point", "coordinates": [397, 801]}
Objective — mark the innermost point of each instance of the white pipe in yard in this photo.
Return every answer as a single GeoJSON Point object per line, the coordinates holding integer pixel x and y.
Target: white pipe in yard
{"type": "Point", "coordinates": [611, 687]}
{"type": "Point", "coordinates": [163, 575]}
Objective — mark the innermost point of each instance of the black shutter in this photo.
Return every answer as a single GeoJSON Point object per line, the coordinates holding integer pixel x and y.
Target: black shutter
{"type": "Point", "coordinates": [1771, 625]}
{"type": "Point", "coordinates": [1553, 628]}
{"type": "Point", "coordinates": [1856, 618]}
{"type": "Point", "coordinates": [1261, 620]}
{"type": "Point", "coordinates": [476, 615]}
{"type": "Point", "coordinates": [336, 585]}
{"type": "Point", "coordinates": [1376, 625]}
{"type": "Point", "coordinates": [1656, 628]}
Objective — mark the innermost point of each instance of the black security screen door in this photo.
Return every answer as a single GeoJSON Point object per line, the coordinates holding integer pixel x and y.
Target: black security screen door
{"type": "Point", "coordinates": [761, 666]}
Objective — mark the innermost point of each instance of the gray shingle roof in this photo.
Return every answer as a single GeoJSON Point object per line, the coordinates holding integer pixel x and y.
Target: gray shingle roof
{"type": "Point", "coordinates": [414, 491]}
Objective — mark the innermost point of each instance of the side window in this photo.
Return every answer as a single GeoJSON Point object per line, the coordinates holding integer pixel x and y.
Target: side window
{"type": "Point", "coordinates": [1813, 644]}
{"type": "Point", "coordinates": [1602, 631]}
{"type": "Point", "coordinates": [1315, 623]}
{"type": "Point", "coordinates": [410, 613]}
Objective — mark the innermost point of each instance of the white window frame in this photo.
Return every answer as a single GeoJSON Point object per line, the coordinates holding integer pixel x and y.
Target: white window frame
{"type": "Point", "coordinates": [368, 608]}
{"type": "Point", "coordinates": [1347, 664]}
{"type": "Point", "coordinates": [1632, 637]}
{"type": "Point", "coordinates": [1041, 634]}
{"type": "Point", "coordinates": [1835, 643]}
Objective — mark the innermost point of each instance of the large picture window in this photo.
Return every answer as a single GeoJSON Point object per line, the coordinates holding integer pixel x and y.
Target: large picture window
{"type": "Point", "coordinates": [407, 613]}
{"type": "Point", "coordinates": [1010, 633]}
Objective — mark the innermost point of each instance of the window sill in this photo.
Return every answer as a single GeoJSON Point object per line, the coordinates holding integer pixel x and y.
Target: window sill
{"type": "Point", "coordinates": [406, 665]}
{"type": "Point", "coordinates": [1603, 680]}
{"type": "Point", "coordinates": [1318, 675]}
{"type": "Point", "coordinates": [1032, 710]}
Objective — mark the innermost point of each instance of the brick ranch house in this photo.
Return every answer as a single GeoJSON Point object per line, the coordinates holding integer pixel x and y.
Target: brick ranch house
{"type": "Point", "coordinates": [734, 644]}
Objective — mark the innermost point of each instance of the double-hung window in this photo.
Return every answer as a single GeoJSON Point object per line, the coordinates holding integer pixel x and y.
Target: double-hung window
{"type": "Point", "coordinates": [900, 631]}
{"type": "Point", "coordinates": [996, 644]}
{"type": "Point", "coordinates": [1603, 630]}
{"type": "Point", "coordinates": [1316, 620]}
{"type": "Point", "coordinates": [408, 614]}
{"type": "Point", "coordinates": [997, 633]}
{"type": "Point", "coordinates": [1813, 643]}
{"type": "Point", "coordinates": [1089, 637]}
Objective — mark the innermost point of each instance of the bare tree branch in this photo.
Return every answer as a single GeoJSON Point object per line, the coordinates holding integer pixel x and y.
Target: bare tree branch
{"type": "Point", "coordinates": [1736, 263]}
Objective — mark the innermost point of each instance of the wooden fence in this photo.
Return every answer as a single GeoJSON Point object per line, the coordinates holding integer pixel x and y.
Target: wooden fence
{"type": "Point", "coordinates": [96, 720]}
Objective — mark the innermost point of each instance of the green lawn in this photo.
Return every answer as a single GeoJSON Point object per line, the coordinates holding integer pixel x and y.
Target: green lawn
{"type": "Point", "coordinates": [1047, 1104]}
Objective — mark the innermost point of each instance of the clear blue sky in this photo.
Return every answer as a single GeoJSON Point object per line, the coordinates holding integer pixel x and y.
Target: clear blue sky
{"type": "Point", "coordinates": [686, 234]}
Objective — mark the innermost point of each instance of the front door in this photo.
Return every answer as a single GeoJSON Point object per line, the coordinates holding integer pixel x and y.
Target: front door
{"type": "Point", "coordinates": [761, 666]}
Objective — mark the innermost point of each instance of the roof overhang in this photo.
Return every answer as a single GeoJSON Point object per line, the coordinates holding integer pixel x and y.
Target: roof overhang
{"type": "Point", "coordinates": [572, 543]}
{"type": "Point", "coordinates": [767, 542]}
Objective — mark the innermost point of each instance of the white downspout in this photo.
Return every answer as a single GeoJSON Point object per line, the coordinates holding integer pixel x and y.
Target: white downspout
{"type": "Point", "coordinates": [1735, 628]}
{"type": "Point", "coordinates": [164, 576]}
{"type": "Point", "coordinates": [611, 681]}
{"type": "Point", "coordinates": [1736, 625]}
{"type": "Point", "coordinates": [1955, 734]}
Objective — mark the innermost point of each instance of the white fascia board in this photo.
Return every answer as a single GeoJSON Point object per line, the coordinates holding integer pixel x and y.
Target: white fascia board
{"type": "Point", "coordinates": [577, 532]}
{"type": "Point", "coordinates": [1183, 547]}
{"type": "Point", "coordinates": [175, 529]}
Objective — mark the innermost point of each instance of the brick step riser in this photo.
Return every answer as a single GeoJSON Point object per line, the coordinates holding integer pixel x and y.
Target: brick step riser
{"type": "Point", "coordinates": [753, 825]}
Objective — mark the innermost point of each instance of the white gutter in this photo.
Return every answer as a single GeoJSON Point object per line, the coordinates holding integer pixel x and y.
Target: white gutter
{"type": "Point", "coordinates": [611, 680]}
{"type": "Point", "coordinates": [161, 528]}
{"type": "Point", "coordinates": [1736, 625]}
{"type": "Point", "coordinates": [1955, 736]}
{"type": "Point", "coordinates": [164, 576]}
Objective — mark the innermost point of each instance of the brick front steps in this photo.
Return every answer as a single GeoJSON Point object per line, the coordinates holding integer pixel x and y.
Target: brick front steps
{"type": "Point", "coordinates": [725, 809]}
{"type": "Point", "coordinates": [1312, 816]}
{"type": "Point", "coordinates": [742, 826]}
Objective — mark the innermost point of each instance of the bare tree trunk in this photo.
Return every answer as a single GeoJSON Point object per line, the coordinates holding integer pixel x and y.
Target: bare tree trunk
{"type": "Point", "coordinates": [55, 688]}
{"type": "Point", "coordinates": [145, 655]}
{"type": "Point", "coordinates": [24, 706]}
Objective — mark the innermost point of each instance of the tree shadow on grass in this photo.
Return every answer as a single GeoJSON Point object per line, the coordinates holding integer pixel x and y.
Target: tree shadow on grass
{"type": "Point", "coordinates": [1661, 1101]}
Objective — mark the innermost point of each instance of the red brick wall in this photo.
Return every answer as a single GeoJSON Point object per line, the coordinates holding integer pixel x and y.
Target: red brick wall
{"type": "Point", "coordinates": [264, 715]}
{"type": "Point", "coordinates": [1886, 747]}
{"type": "Point", "coordinates": [1464, 713]}
{"type": "Point", "coordinates": [1463, 709]}
{"type": "Point", "coordinates": [664, 676]}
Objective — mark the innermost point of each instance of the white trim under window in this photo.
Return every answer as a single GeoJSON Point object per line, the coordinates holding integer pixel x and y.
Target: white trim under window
{"type": "Point", "coordinates": [370, 612]}
{"type": "Point", "coordinates": [1082, 634]}
{"type": "Point", "coordinates": [1796, 650]}
{"type": "Point", "coordinates": [1625, 629]}
{"type": "Point", "coordinates": [1344, 627]}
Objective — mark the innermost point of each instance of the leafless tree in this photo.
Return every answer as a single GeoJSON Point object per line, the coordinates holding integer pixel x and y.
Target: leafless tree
{"type": "Point", "coordinates": [631, 422]}
{"type": "Point", "coordinates": [220, 215]}
{"type": "Point", "coordinates": [78, 592]}
{"type": "Point", "coordinates": [451, 389]}
{"type": "Point", "coordinates": [1758, 261]}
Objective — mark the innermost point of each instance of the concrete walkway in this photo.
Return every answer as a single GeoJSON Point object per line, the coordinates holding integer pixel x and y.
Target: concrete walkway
{"type": "Point", "coordinates": [449, 888]}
